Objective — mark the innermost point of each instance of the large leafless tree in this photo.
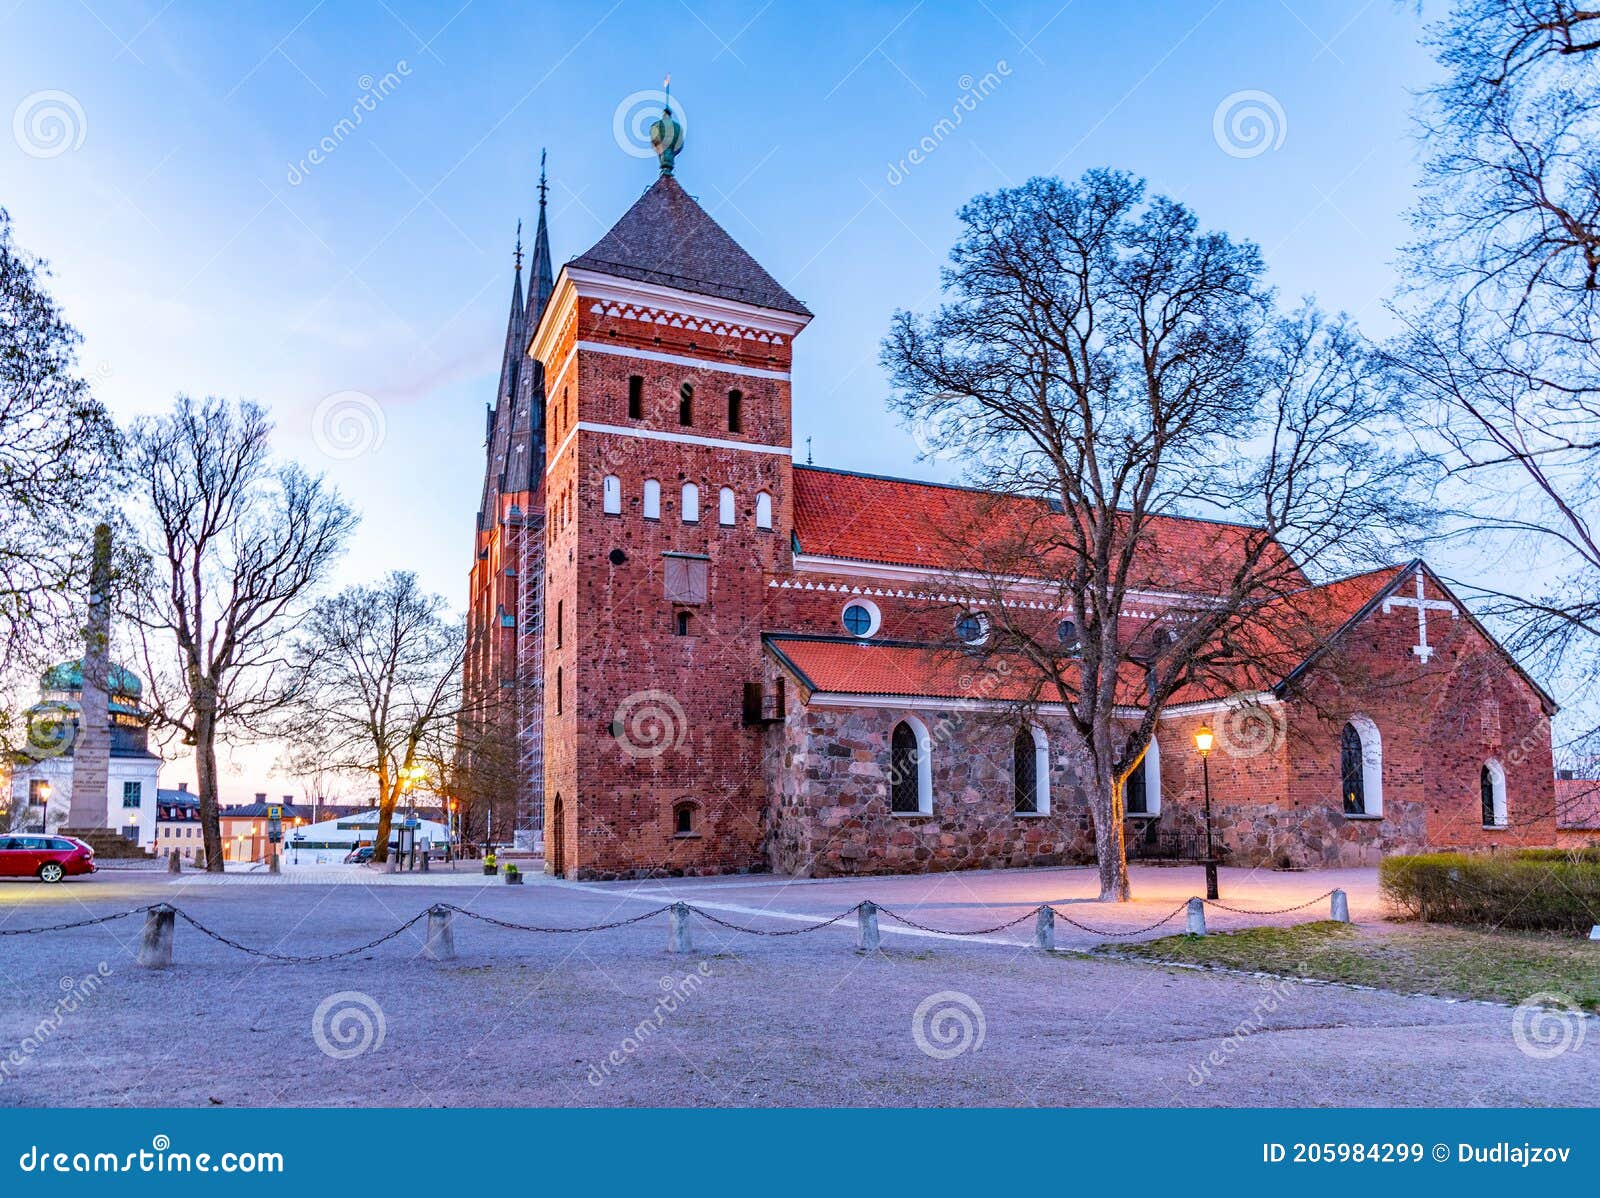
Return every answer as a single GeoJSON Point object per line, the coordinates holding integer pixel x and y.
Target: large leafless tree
{"type": "Point", "coordinates": [57, 450]}
{"type": "Point", "coordinates": [376, 674]}
{"type": "Point", "coordinates": [1499, 349]}
{"type": "Point", "coordinates": [237, 543]}
{"type": "Point", "coordinates": [1102, 363]}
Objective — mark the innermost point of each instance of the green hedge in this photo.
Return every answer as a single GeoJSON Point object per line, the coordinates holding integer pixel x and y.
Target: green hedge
{"type": "Point", "coordinates": [1542, 889]}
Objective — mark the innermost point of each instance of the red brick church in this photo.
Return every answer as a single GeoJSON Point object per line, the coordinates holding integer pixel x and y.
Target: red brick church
{"type": "Point", "coordinates": [697, 656]}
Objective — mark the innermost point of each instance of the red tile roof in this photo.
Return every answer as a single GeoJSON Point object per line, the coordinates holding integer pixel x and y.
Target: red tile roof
{"type": "Point", "coordinates": [863, 517]}
{"type": "Point", "coordinates": [1289, 632]}
{"type": "Point", "coordinates": [1578, 803]}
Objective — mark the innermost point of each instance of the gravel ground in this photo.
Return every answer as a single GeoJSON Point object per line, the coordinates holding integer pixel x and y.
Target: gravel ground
{"type": "Point", "coordinates": [611, 1018]}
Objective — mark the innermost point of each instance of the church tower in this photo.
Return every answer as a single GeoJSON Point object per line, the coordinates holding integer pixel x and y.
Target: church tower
{"type": "Point", "coordinates": [501, 727]}
{"type": "Point", "coordinates": [666, 352]}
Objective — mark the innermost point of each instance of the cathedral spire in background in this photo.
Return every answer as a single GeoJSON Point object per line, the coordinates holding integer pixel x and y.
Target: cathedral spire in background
{"type": "Point", "coordinates": [541, 279]}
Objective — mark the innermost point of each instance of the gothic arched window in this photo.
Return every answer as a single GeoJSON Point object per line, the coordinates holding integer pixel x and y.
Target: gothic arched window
{"type": "Point", "coordinates": [686, 403]}
{"type": "Point", "coordinates": [910, 769]}
{"type": "Point", "coordinates": [651, 504]}
{"type": "Point", "coordinates": [691, 503]}
{"type": "Point", "coordinates": [735, 412]}
{"type": "Point", "coordinates": [1492, 789]}
{"type": "Point", "coordinates": [1361, 767]}
{"type": "Point", "coordinates": [1024, 773]}
{"type": "Point", "coordinates": [611, 495]}
{"type": "Point", "coordinates": [725, 506]}
{"type": "Point", "coordinates": [763, 510]}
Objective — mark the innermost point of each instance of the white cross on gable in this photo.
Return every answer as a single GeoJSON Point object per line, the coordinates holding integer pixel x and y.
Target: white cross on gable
{"type": "Point", "coordinates": [1422, 649]}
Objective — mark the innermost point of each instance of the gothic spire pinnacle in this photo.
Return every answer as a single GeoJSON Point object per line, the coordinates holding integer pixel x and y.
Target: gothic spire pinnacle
{"type": "Point", "coordinates": [519, 246]}
{"type": "Point", "coordinates": [541, 278]}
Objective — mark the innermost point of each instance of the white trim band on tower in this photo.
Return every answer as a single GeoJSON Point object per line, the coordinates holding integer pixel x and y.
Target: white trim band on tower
{"type": "Point", "coordinates": [655, 355]}
{"type": "Point", "coordinates": [650, 434]}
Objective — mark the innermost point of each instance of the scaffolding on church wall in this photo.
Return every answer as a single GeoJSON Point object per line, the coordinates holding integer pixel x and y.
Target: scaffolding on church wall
{"type": "Point", "coordinates": [530, 684]}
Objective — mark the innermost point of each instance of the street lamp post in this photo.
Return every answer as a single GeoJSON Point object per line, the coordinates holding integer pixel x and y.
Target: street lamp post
{"type": "Point", "coordinates": [1203, 739]}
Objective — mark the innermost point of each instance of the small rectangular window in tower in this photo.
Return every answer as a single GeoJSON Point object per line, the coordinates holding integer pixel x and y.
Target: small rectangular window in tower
{"type": "Point", "coordinates": [735, 412]}
{"type": "Point", "coordinates": [560, 623]}
{"type": "Point", "coordinates": [684, 578]}
{"type": "Point", "coordinates": [686, 403]}
{"type": "Point", "coordinates": [685, 623]}
{"type": "Point", "coordinates": [635, 397]}
{"type": "Point", "coordinates": [558, 690]}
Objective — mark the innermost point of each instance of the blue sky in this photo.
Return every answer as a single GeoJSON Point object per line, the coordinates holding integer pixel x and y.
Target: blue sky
{"type": "Point", "coordinates": [199, 250]}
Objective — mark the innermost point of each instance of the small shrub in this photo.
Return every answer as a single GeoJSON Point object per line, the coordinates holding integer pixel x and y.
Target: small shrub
{"type": "Point", "coordinates": [1533, 889]}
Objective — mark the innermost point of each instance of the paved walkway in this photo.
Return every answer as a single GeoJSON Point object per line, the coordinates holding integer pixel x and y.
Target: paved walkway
{"type": "Point", "coordinates": [611, 1018]}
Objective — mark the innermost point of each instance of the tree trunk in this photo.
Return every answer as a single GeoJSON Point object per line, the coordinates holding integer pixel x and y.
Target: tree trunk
{"type": "Point", "coordinates": [387, 793]}
{"type": "Point", "coordinates": [205, 764]}
{"type": "Point", "coordinates": [1111, 850]}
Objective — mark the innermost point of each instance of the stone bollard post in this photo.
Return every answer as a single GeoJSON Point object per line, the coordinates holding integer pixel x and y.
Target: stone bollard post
{"type": "Point", "coordinates": [867, 928]}
{"type": "Point", "coordinates": [1340, 907]}
{"type": "Point", "coordinates": [441, 942]}
{"type": "Point", "coordinates": [1044, 932]}
{"type": "Point", "coordinates": [678, 929]}
{"type": "Point", "coordinates": [200, 859]}
{"type": "Point", "coordinates": [155, 943]}
{"type": "Point", "coordinates": [422, 860]}
{"type": "Point", "coordinates": [174, 862]}
{"type": "Point", "coordinates": [1197, 917]}
{"type": "Point", "coordinates": [272, 863]}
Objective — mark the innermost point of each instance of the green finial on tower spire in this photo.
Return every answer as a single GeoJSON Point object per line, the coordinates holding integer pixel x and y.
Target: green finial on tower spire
{"type": "Point", "coordinates": [666, 135]}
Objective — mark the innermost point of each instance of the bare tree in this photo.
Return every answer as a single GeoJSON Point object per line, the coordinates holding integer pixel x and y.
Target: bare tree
{"type": "Point", "coordinates": [58, 449]}
{"type": "Point", "coordinates": [236, 543]}
{"type": "Point", "coordinates": [377, 669]}
{"type": "Point", "coordinates": [1499, 350]}
{"type": "Point", "coordinates": [1105, 365]}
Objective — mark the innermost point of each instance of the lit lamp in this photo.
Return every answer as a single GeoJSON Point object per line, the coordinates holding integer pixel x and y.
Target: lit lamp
{"type": "Point", "coordinates": [1204, 738]}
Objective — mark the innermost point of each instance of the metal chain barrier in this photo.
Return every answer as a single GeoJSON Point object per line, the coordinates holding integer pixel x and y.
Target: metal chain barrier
{"type": "Point", "coordinates": [1083, 927]}
{"type": "Point", "coordinates": [528, 927]}
{"type": "Point", "coordinates": [733, 927]}
{"type": "Point", "coordinates": [1277, 911]}
{"type": "Point", "coordinates": [999, 927]}
{"type": "Point", "coordinates": [289, 957]}
{"type": "Point", "coordinates": [80, 923]}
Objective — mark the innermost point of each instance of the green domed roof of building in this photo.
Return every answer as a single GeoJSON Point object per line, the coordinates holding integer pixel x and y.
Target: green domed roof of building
{"type": "Point", "coordinates": [68, 676]}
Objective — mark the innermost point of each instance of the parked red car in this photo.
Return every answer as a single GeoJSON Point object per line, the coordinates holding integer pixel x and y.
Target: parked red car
{"type": "Point", "coordinates": [48, 858]}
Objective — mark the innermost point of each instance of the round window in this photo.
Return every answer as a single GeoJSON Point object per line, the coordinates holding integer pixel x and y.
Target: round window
{"type": "Point", "coordinates": [972, 627]}
{"type": "Point", "coordinates": [861, 618]}
{"type": "Point", "coordinates": [1067, 634]}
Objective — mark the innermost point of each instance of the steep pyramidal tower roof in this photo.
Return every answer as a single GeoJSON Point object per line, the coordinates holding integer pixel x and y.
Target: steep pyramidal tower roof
{"type": "Point", "coordinates": [666, 238]}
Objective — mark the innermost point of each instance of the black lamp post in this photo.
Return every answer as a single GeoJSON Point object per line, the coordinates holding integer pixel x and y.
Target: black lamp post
{"type": "Point", "coordinates": [1203, 739]}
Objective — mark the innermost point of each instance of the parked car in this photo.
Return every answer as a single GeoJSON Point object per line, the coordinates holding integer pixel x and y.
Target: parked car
{"type": "Point", "coordinates": [48, 858]}
{"type": "Point", "coordinates": [359, 856]}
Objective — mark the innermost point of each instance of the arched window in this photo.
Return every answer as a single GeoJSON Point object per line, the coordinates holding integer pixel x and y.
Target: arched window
{"type": "Point", "coordinates": [611, 495]}
{"type": "Point", "coordinates": [735, 412]}
{"type": "Point", "coordinates": [1030, 771]}
{"type": "Point", "coordinates": [1492, 788]}
{"type": "Point", "coordinates": [691, 503]}
{"type": "Point", "coordinates": [910, 769]}
{"type": "Point", "coordinates": [1361, 768]}
{"type": "Point", "coordinates": [686, 403]}
{"type": "Point", "coordinates": [1067, 636]}
{"type": "Point", "coordinates": [972, 628]}
{"type": "Point", "coordinates": [684, 819]}
{"type": "Point", "coordinates": [651, 508]}
{"type": "Point", "coordinates": [1143, 793]}
{"type": "Point", "coordinates": [635, 397]}
{"type": "Point", "coordinates": [725, 506]}
{"type": "Point", "coordinates": [763, 510]}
